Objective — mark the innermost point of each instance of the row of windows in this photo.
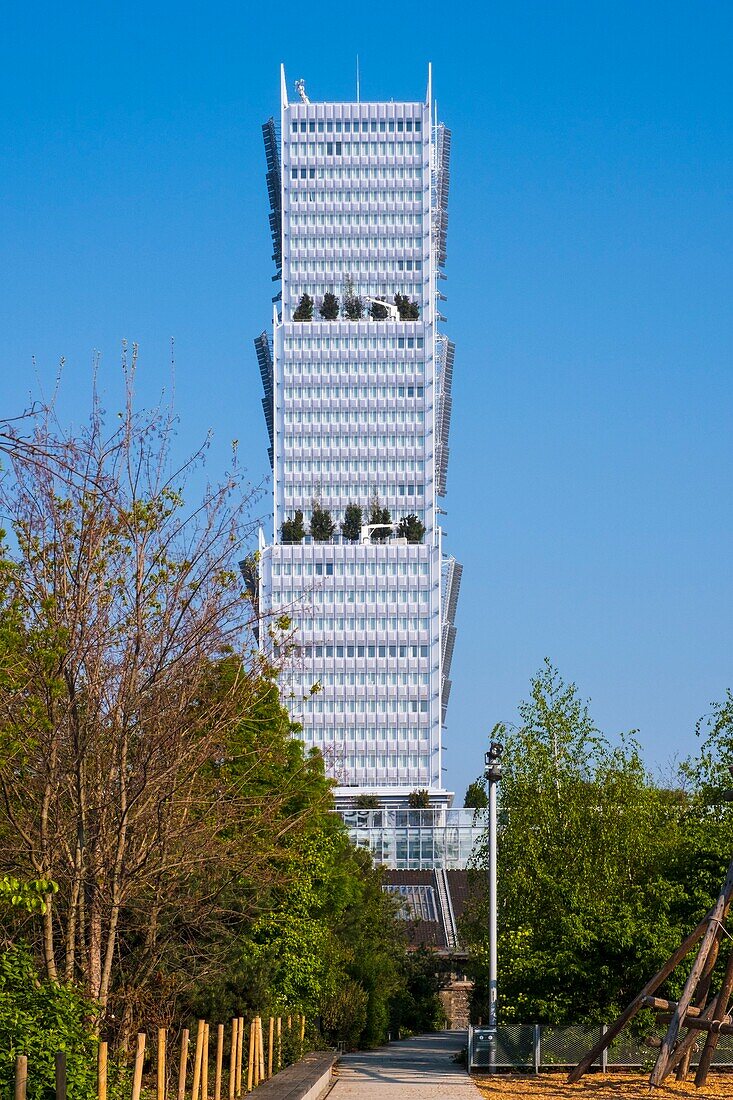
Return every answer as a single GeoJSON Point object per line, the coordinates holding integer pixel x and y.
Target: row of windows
{"type": "Point", "coordinates": [351, 569]}
{"type": "Point", "coordinates": [355, 125]}
{"type": "Point", "coordinates": [354, 220]}
{"type": "Point", "coordinates": [319, 705]}
{"type": "Point", "coordinates": [338, 148]}
{"type": "Point", "coordinates": [347, 417]}
{"type": "Point", "coordinates": [354, 442]}
{"type": "Point", "coordinates": [349, 491]}
{"type": "Point", "coordinates": [391, 735]}
{"type": "Point", "coordinates": [379, 198]}
{"type": "Point", "coordinates": [404, 622]}
{"type": "Point", "coordinates": [307, 371]}
{"type": "Point", "coordinates": [308, 652]}
{"type": "Point", "coordinates": [365, 763]}
{"type": "Point", "coordinates": [354, 465]}
{"type": "Point", "coordinates": [381, 596]}
{"type": "Point", "coordinates": [297, 392]}
{"type": "Point", "coordinates": [304, 244]}
{"type": "Point", "coordinates": [363, 679]}
{"type": "Point", "coordinates": [316, 269]}
{"type": "Point", "coordinates": [322, 341]}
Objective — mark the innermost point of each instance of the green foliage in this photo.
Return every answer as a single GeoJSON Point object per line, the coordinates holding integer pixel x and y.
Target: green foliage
{"type": "Point", "coordinates": [417, 1007]}
{"type": "Point", "coordinates": [322, 525]}
{"type": "Point", "coordinates": [293, 530]}
{"type": "Point", "coordinates": [344, 1013]}
{"type": "Point", "coordinates": [366, 802]}
{"type": "Point", "coordinates": [29, 896]}
{"type": "Point", "coordinates": [353, 519]}
{"type": "Point", "coordinates": [476, 797]}
{"type": "Point", "coordinates": [378, 312]}
{"type": "Point", "coordinates": [353, 304]}
{"type": "Point", "coordinates": [330, 307]}
{"type": "Point", "coordinates": [419, 799]}
{"type": "Point", "coordinates": [590, 900]}
{"type": "Point", "coordinates": [38, 1018]}
{"type": "Point", "coordinates": [409, 310]}
{"type": "Point", "coordinates": [304, 309]}
{"type": "Point", "coordinates": [378, 514]}
{"type": "Point", "coordinates": [411, 528]}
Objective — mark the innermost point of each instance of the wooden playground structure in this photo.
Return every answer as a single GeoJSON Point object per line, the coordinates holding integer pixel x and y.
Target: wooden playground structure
{"type": "Point", "coordinates": [699, 1010]}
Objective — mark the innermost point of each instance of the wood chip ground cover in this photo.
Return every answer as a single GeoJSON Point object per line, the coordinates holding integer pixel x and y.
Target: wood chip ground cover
{"type": "Point", "coordinates": [607, 1086]}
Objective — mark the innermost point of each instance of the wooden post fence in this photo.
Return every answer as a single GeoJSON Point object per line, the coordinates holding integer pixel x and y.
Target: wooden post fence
{"type": "Point", "coordinates": [279, 1043]}
{"type": "Point", "coordinates": [198, 1058]}
{"type": "Point", "coordinates": [183, 1065]}
{"type": "Point", "coordinates": [270, 1037]}
{"type": "Point", "coordinates": [219, 1060]}
{"type": "Point", "coordinates": [160, 1067]}
{"type": "Point", "coordinates": [233, 1059]}
{"type": "Point", "coordinates": [102, 1071]}
{"type": "Point", "coordinates": [137, 1076]}
{"type": "Point", "coordinates": [251, 1060]}
{"type": "Point", "coordinates": [240, 1054]}
{"type": "Point", "coordinates": [21, 1077]}
{"type": "Point", "coordinates": [205, 1065]}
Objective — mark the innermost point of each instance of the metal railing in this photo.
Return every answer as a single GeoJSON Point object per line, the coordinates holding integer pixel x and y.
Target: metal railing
{"type": "Point", "coordinates": [538, 1048]}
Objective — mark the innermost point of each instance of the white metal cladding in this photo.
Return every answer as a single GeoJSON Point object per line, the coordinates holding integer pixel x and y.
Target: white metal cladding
{"type": "Point", "coordinates": [354, 407]}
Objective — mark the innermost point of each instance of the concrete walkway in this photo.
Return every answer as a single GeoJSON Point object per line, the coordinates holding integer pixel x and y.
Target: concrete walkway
{"type": "Point", "coordinates": [416, 1069]}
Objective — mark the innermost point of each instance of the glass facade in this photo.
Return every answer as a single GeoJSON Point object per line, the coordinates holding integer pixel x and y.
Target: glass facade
{"type": "Point", "coordinates": [358, 412]}
{"type": "Point", "coordinates": [417, 840]}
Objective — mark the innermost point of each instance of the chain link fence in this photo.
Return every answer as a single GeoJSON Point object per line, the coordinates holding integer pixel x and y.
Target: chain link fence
{"type": "Point", "coordinates": [537, 1048]}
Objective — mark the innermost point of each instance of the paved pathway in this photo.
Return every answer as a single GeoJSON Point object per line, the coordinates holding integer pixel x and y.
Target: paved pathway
{"type": "Point", "coordinates": [416, 1069]}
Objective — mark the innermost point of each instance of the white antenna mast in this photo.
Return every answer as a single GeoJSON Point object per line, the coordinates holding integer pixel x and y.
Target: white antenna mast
{"type": "Point", "coordinates": [358, 91]}
{"type": "Point", "coordinates": [300, 89]}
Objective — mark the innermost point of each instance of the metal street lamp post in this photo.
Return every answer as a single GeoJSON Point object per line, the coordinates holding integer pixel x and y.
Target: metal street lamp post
{"type": "Point", "coordinates": [492, 772]}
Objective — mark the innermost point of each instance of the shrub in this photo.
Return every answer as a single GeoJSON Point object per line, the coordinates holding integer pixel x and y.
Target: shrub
{"type": "Point", "coordinates": [304, 310]}
{"type": "Point", "coordinates": [353, 304]}
{"type": "Point", "coordinates": [380, 515]}
{"type": "Point", "coordinates": [353, 519]}
{"type": "Point", "coordinates": [322, 526]}
{"type": "Point", "coordinates": [293, 530]}
{"type": "Point", "coordinates": [411, 528]}
{"type": "Point", "coordinates": [330, 307]}
{"type": "Point", "coordinates": [344, 1013]}
{"type": "Point", "coordinates": [38, 1018]}
{"type": "Point", "coordinates": [409, 310]}
{"type": "Point", "coordinates": [378, 312]}
{"type": "Point", "coordinates": [419, 799]}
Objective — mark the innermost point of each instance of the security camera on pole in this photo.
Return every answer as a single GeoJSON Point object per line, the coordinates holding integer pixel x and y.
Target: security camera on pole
{"type": "Point", "coordinates": [492, 772]}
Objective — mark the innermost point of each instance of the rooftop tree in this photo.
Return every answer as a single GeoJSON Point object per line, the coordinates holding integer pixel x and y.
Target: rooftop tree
{"type": "Point", "coordinates": [322, 525]}
{"type": "Point", "coordinates": [411, 528]}
{"type": "Point", "coordinates": [293, 530]}
{"type": "Point", "coordinates": [304, 309]}
{"type": "Point", "coordinates": [330, 307]}
{"type": "Point", "coordinates": [353, 519]}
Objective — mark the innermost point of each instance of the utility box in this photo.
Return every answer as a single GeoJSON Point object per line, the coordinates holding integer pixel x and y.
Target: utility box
{"type": "Point", "coordinates": [481, 1047]}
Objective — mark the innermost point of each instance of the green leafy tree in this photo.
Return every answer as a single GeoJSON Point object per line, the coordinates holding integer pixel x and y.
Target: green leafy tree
{"type": "Point", "coordinates": [353, 519]}
{"type": "Point", "coordinates": [304, 309]}
{"type": "Point", "coordinates": [322, 525]}
{"type": "Point", "coordinates": [378, 514]}
{"type": "Point", "coordinates": [378, 311]}
{"type": "Point", "coordinates": [409, 310]}
{"type": "Point", "coordinates": [353, 304]}
{"type": "Point", "coordinates": [411, 528]}
{"type": "Point", "coordinates": [37, 1018]}
{"type": "Point", "coordinates": [417, 1008]}
{"type": "Point", "coordinates": [293, 530]}
{"type": "Point", "coordinates": [330, 307]}
{"type": "Point", "coordinates": [476, 797]}
{"type": "Point", "coordinates": [418, 799]}
{"type": "Point", "coordinates": [589, 902]}
{"type": "Point", "coordinates": [367, 802]}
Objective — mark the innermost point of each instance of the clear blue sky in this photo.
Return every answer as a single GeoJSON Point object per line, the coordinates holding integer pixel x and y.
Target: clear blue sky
{"type": "Point", "coordinates": [590, 276]}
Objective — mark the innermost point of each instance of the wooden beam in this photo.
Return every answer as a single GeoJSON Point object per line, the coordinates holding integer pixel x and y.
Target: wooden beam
{"type": "Point", "coordinates": [637, 1004]}
{"type": "Point", "coordinates": [712, 933]}
{"type": "Point", "coordinates": [721, 1008]}
{"type": "Point", "coordinates": [661, 1004]}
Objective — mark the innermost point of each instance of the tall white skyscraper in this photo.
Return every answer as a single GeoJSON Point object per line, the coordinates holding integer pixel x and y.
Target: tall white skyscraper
{"type": "Point", "coordinates": [358, 410]}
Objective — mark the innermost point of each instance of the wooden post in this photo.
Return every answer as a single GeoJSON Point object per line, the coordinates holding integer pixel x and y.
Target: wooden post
{"type": "Point", "coordinates": [270, 1037]}
{"type": "Point", "coordinates": [60, 1074]}
{"type": "Point", "coordinates": [721, 1007]}
{"type": "Point", "coordinates": [183, 1065]}
{"type": "Point", "coordinates": [233, 1059]}
{"type": "Point", "coordinates": [21, 1076]}
{"type": "Point", "coordinates": [302, 1033]}
{"type": "Point", "coordinates": [205, 1066]}
{"type": "Point", "coordinates": [240, 1053]}
{"type": "Point", "coordinates": [137, 1076]}
{"type": "Point", "coordinates": [279, 1043]}
{"type": "Point", "coordinates": [160, 1074]}
{"type": "Point", "coordinates": [102, 1071]}
{"type": "Point", "coordinates": [631, 1009]}
{"type": "Point", "coordinates": [251, 1061]}
{"type": "Point", "coordinates": [219, 1060]}
{"type": "Point", "coordinates": [198, 1059]}
{"type": "Point", "coordinates": [261, 1049]}
{"type": "Point", "coordinates": [712, 934]}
